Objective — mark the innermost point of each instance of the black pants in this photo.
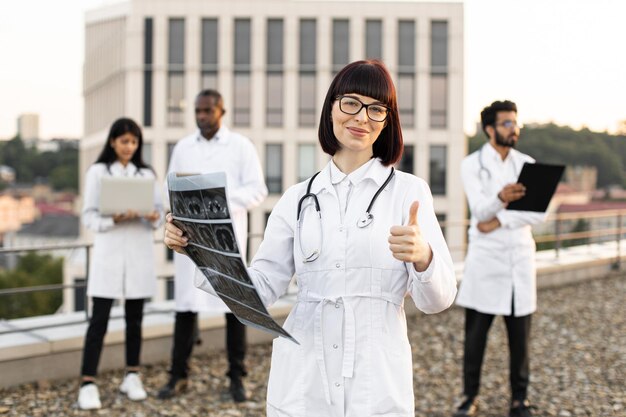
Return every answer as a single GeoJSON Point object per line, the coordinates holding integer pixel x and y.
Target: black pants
{"type": "Point", "coordinates": [185, 336]}
{"type": "Point", "coordinates": [476, 328]}
{"type": "Point", "coordinates": [133, 313]}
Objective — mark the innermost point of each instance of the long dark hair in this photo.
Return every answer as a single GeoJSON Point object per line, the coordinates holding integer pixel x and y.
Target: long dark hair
{"type": "Point", "coordinates": [118, 128]}
{"type": "Point", "coordinates": [369, 78]}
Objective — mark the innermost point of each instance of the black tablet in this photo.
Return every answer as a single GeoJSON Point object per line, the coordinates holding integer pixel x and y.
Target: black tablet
{"type": "Point", "coordinates": [540, 181]}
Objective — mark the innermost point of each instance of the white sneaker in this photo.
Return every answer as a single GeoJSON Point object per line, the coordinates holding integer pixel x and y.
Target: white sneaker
{"type": "Point", "coordinates": [133, 387]}
{"type": "Point", "coordinates": [89, 397]}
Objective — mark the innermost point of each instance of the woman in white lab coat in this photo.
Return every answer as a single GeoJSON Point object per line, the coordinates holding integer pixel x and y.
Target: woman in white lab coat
{"type": "Point", "coordinates": [122, 261]}
{"type": "Point", "coordinates": [373, 240]}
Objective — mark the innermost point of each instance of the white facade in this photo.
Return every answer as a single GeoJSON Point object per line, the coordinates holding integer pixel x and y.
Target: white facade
{"type": "Point", "coordinates": [147, 60]}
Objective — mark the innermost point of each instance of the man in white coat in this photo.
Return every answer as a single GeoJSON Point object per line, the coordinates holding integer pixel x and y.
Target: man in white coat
{"type": "Point", "coordinates": [500, 272]}
{"type": "Point", "coordinates": [213, 148]}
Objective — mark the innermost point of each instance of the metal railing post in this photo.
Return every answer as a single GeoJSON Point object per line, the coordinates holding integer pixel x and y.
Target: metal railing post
{"type": "Point", "coordinates": [85, 298]}
{"type": "Point", "coordinates": [557, 236]}
{"type": "Point", "coordinates": [618, 260]}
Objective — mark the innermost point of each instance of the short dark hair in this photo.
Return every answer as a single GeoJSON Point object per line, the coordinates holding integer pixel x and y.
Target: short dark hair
{"type": "Point", "coordinates": [489, 113]}
{"type": "Point", "coordinates": [217, 97]}
{"type": "Point", "coordinates": [368, 78]}
{"type": "Point", "coordinates": [120, 127]}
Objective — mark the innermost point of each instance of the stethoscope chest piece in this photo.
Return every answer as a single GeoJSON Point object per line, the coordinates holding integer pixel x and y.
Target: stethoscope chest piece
{"type": "Point", "coordinates": [365, 221]}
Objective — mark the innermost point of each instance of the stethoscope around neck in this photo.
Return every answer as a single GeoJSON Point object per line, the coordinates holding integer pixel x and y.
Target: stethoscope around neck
{"type": "Point", "coordinates": [363, 221]}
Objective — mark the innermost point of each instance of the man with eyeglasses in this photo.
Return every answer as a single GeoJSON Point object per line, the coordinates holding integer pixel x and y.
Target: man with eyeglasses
{"type": "Point", "coordinates": [500, 273]}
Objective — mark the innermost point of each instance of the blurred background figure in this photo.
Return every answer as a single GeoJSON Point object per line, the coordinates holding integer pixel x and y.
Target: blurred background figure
{"type": "Point", "coordinates": [213, 148]}
{"type": "Point", "coordinates": [500, 271]}
{"type": "Point", "coordinates": [123, 265]}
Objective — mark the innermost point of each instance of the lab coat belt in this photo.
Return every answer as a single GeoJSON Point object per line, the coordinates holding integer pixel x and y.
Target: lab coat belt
{"type": "Point", "coordinates": [349, 337]}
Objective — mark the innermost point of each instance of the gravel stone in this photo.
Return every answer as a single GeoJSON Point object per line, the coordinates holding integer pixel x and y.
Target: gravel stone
{"type": "Point", "coordinates": [578, 363]}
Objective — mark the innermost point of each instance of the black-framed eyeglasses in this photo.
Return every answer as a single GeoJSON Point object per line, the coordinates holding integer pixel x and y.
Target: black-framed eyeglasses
{"type": "Point", "coordinates": [352, 105]}
{"type": "Point", "coordinates": [508, 124]}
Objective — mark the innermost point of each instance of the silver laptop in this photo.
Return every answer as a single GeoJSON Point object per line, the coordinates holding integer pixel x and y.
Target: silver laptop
{"type": "Point", "coordinates": [120, 194]}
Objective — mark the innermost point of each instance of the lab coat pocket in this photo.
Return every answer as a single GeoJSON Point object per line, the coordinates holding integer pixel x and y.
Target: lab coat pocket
{"type": "Point", "coordinates": [285, 390]}
{"type": "Point", "coordinates": [395, 330]}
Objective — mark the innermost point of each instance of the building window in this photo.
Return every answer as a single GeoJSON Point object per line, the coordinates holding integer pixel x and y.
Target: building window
{"type": "Point", "coordinates": [307, 76]}
{"type": "Point", "coordinates": [406, 99]}
{"type": "Point", "coordinates": [274, 168]}
{"type": "Point", "coordinates": [438, 168]}
{"type": "Point", "coordinates": [79, 294]}
{"type": "Point", "coordinates": [341, 44]}
{"type": "Point", "coordinates": [176, 73]}
{"type": "Point", "coordinates": [406, 72]}
{"type": "Point", "coordinates": [439, 75]}
{"type": "Point", "coordinates": [169, 288]}
{"type": "Point", "coordinates": [242, 99]}
{"type": "Point", "coordinates": [209, 54]}
{"type": "Point", "coordinates": [374, 39]}
{"type": "Point", "coordinates": [275, 62]}
{"type": "Point", "coordinates": [147, 71]}
{"type": "Point", "coordinates": [242, 87]}
{"type": "Point", "coordinates": [406, 162]}
{"type": "Point", "coordinates": [146, 152]}
{"type": "Point", "coordinates": [438, 101]}
{"type": "Point", "coordinates": [306, 161]}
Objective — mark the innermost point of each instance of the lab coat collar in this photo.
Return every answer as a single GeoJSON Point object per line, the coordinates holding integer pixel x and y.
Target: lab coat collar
{"type": "Point", "coordinates": [355, 177]}
{"type": "Point", "coordinates": [490, 154]}
{"type": "Point", "coordinates": [128, 171]}
{"type": "Point", "coordinates": [373, 170]}
{"type": "Point", "coordinates": [219, 138]}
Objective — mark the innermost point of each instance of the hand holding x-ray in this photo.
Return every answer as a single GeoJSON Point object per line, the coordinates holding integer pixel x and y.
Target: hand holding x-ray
{"type": "Point", "coordinates": [201, 228]}
{"type": "Point", "coordinates": [174, 238]}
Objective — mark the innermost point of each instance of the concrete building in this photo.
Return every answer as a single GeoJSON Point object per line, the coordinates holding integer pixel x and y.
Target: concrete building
{"type": "Point", "coordinates": [273, 62]}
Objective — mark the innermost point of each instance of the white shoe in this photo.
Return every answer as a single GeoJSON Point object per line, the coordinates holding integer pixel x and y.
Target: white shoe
{"type": "Point", "coordinates": [133, 387]}
{"type": "Point", "coordinates": [89, 397]}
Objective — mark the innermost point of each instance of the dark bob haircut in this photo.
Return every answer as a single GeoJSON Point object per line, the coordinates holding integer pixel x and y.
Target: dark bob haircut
{"type": "Point", "coordinates": [489, 113]}
{"type": "Point", "coordinates": [119, 128]}
{"type": "Point", "coordinates": [368, 78]}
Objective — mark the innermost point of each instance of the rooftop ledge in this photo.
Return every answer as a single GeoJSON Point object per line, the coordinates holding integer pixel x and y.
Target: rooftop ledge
{"type": "Point", "coordinates": [53, 349]}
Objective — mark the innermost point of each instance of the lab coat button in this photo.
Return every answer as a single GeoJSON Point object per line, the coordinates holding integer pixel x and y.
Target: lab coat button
{"type": "Point", "coordinates": [338, 265]}
{"type": "Point", "coordinates": [337, 384]}
{"type": "Point", "coordinates": [341, 229]}
{"type": "Point", "coordinates": [335, 346]}
{"type": "Point", "coordinates": [336, 305]}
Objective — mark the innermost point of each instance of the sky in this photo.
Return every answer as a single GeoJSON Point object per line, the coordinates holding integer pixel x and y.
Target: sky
{"type": "Point", "coordinates": [559, 60]}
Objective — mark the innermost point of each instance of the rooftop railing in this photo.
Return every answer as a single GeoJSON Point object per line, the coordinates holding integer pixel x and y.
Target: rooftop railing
{"type": "Point", "coordinates": [567, 229]}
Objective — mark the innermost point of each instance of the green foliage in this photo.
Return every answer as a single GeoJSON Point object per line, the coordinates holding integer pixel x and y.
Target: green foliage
{"type": "Point", "coordinates": [64, 177]}
{"type": "Point", "coordinates": [60, 168]}
{"type": "Point", "coordinates": [563, 145]}
{"type": "Point", "coordinates": [32, 269]}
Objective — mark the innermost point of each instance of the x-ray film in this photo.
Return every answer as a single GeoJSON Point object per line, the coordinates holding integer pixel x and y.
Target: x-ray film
{"type": "Point", "coordinates": [200, 210]}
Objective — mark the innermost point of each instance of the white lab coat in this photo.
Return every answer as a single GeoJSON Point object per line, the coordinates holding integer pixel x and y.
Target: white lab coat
{"type": "Point", "coordinates": [499, 265]}
{"type": "Point", "coordinates": [122, 261]}
{"type": "Point", "coordinates": [354, 357]}
{"type": "Point", "coordinates": [235, 155]}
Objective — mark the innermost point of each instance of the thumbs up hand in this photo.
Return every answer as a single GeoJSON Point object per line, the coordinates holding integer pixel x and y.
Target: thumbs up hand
{"type": "Point", "coordinates": [407, 244]}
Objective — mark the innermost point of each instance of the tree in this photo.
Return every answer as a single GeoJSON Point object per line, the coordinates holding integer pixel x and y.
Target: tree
{"type": "Point", "coordinates": [563, 145]}
{"type": "Point", "coordinates": [60, 168]}
{"type": "Point", "coordinates": [32, 269]}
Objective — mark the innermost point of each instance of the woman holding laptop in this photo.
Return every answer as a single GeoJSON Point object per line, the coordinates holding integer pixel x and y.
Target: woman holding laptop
{"type": "Point", "coordinates": [122, 265]}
